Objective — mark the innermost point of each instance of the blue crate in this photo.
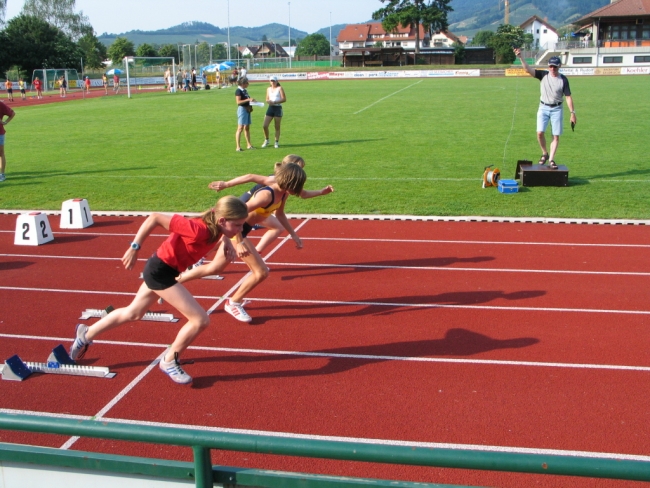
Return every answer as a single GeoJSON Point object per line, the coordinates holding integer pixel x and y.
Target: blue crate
{"type": "Point", "coordinates": [508, 186]}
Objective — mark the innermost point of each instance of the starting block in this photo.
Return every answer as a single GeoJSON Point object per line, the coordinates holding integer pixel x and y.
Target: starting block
{"type": "Point", "coordinates": [75, 214]}
{"type": "Point", "coordinates": [94, 313]}
{"type": "Point", "coordinates": [32, 229]}
{"type": "Point", "coordinates": [59, 362]}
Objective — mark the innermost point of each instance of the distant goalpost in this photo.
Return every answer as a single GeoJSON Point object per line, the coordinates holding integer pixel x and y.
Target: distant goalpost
{"type": "Point", "coordinates": [149, 71]}
{"type": "Point", "coordinates": [50, 78]}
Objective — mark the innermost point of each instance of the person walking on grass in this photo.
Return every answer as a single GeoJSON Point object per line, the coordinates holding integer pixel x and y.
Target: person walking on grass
{"type": "Point", "coordinates": [189, 241]}
{"type": "Point", "coordinates": [272, 223]}
{"type": "Point", "coordinates": [10, 90]}
{"type": "Point", "coordinates": [5, 111]}
{"type": "Point", "coordinates": [244, 109]}
{"type": "Point", "coordinates": [289, 180]}
{"type": "Point", "coordinates": [275, 97]}
{"type": "Point", "coordinates": [553, 87]}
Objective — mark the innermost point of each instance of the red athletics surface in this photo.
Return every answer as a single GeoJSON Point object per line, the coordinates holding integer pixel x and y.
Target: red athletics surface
{"type": "Point", "coordinates": [386, 305]}
{"type": "Point", "coordinates": [76, 94]}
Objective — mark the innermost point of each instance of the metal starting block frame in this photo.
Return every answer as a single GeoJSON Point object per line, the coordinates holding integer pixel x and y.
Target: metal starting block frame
{"type": "Point", "coordinates": [59, 362]}
{"type": "Point", "coordinates": [92, 313]}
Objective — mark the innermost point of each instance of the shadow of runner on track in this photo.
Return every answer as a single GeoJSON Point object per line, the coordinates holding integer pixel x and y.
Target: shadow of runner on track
{"type": "Point", "coordinates": [341, 269]}
{"type": "Point", "coordinates": [391, 305]}
{"type": "Point", "coordinates": [457, 342]}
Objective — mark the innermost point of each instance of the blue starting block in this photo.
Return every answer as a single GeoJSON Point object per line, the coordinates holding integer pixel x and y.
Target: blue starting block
{"type": "Point", "coordinates": [508, 186]}
{"type": "Point", "coordinates": [59, 362]}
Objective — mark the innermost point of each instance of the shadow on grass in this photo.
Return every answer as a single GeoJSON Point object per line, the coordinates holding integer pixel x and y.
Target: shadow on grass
{"type": "Point", "coordinates": [457, 342]}
{"type": "Point", "coordinates": [331, 143]}
{"type": "Point", "coordinates": [30, 175]}
{"type": "Point", "coordinates": [439, 262]}
{"type": "Point", "coordinates": [632, 172]}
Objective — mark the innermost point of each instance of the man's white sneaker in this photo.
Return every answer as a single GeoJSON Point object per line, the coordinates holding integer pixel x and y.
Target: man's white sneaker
{"type": "Point", "coordinates": [80, 344]}
{"type": "Point", "coordinates": [2, 177]}
{"type": "Point", "coordinates": [174, 371]}
{"type": "Point", "coordinates": [266, 143]}
{"type": "Point", "coordinates": [237, 310]}
{"type": "Point", "coordinates": [277, 144]}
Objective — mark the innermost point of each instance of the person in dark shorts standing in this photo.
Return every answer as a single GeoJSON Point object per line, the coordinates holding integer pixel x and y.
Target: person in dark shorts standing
{"type": "Point", "coordinates": [275, 97]}
{"type": "Point", "coordinates": [553, 87]}
{"type": "Point", "coordinates": [189, 240]}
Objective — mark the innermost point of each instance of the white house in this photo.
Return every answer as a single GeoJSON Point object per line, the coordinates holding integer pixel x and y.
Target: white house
{"type": "Point", "coordinates": [544, 35]}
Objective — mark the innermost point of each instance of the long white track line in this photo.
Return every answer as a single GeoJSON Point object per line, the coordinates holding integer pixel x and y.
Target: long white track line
{"type": "Point", "coordinates": [353, 303]}
{"type": "Point", "coordinates": [380, 442]}
{"type": "Point", "coordinates": [361, 357]}
{"type": "Point", "coordinates": [388, 96]}
{"type": "Point", "coordinates": [378, 266]}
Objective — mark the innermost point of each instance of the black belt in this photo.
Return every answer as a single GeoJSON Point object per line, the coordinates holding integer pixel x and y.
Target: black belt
{"type": "Point", "coordinates": [551, 104]}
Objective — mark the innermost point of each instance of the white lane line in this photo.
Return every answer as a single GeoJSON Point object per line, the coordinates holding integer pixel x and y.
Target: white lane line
{"type": "Point", "coordinates": [480, 243]}
{"type": "Point", "coordinates": [364, 304]}
{"type": "Point", "coordinates": [363, 440]}
{"type": "Point", "coordinates": [455, 268]}
{"type": "Point", "coordinates": [388, 96]}
{"type": "Point", "coordinates": [363, 357]}
{"type": "Point", "coordinates": [238, 284]}
{"type": "Point", "coordinates": [385, 266]}
{"type": "Point", "coordinates": [99, 415]}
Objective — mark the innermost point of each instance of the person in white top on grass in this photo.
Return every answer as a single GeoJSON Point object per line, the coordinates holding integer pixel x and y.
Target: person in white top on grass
{"type": "Point", "coordinates": [275, 97]}
{"type": "Point", "coordinates": [553, 86]}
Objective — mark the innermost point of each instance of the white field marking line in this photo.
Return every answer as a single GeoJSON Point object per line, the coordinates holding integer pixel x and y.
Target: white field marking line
{"type": "Point", "coordinates": [326, 355]}
{"type": "Point", "coordinates": [388, 96]}
{"type": "Point", "coordinates": [238, 284]}
{"type": "Point", "coordinates": [99, 415]}
{"type": "Point", "coordinates": [327, 178]}
{"type": "Point", "coordinates": [365, 304]}
{"type": "Point", "coordinates": [109, 234]}
{"type": "Point", "coordinates": [512, 125]}
{"type": "Point", "coordinates": [446, 268]}
{"type": "Point", "coordinates": [361, 440]}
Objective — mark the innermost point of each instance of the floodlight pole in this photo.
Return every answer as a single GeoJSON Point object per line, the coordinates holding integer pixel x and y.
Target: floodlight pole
{"type": "Point", "coordinates": [289, 34]}
{"type": "Point", "coordinates": [330, 39]}
{"type": "Point", "coordinates": [229, 31]}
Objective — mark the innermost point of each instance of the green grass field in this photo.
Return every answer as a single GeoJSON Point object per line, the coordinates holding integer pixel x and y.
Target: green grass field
{"type": "Point", "coordinates": [411, 146]}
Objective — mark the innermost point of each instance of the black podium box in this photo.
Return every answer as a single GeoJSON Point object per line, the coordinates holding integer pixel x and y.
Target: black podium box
{"type": "Point", "coordinates": [541, 175]}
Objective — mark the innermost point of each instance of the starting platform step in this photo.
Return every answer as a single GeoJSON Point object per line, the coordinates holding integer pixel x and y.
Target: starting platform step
{"type": "Point", "coordinates": [59, 362]}
{"type": "Point", "coordinates": [92, 313]}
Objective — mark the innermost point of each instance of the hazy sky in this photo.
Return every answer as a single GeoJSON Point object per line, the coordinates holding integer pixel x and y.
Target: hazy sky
{"type": "Point", "coordinates": [118, 16]}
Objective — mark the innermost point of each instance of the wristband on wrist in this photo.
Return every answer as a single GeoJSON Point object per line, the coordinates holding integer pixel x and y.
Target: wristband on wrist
{"type": "Point", "coordinates": [135, 246]}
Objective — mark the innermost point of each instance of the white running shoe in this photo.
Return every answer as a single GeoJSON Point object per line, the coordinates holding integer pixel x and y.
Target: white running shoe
{"type": "Point", "coordinates": [266, 143]}
{"type": "Point", "coordinates": [237, 310]}
{"type": "Point", "coordinates": [277, 145]}
{"type": "Point", "coordinates": [80, 344]}
{"type": "Point", "coordinates": [174, 371]}
{"type": "Point", "coordinates": [2, 177]}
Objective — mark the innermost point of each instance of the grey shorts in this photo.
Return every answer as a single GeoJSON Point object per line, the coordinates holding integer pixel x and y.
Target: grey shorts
{"type": "Point", "coordinates": [274, 111]}
{"type": "Point", "coordinates": [243, 116]}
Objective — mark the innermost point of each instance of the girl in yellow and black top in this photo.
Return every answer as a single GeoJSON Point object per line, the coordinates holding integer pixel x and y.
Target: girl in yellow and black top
{"type": "Point", "coordinates": [289, 180]}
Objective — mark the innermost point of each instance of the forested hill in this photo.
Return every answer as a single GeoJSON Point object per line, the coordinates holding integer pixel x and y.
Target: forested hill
{"type": "Point", "coordinates": [470, 16]}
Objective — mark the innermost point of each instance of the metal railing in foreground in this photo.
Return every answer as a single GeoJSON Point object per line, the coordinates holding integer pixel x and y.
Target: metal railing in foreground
{"type": "Point", "coordinates": [202, 442]}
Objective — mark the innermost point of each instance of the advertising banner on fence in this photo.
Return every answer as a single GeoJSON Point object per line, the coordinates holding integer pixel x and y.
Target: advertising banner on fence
{"type": "Point", "coordinates": [577, 71]}
{"type": "Point", "coordinates": [640, 70]}
{"type": "Point", "coordinates": [365, 75]}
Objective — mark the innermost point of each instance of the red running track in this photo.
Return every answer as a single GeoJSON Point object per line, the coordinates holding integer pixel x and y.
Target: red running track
{"type": "Point", "coordinates": [524, 337]}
